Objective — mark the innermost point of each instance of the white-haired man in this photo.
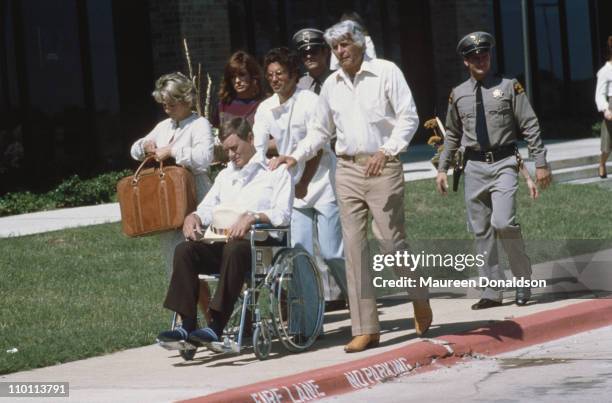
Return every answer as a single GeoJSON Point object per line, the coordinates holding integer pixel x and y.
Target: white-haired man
{"type": "Point", "coordinates": [370, 107]}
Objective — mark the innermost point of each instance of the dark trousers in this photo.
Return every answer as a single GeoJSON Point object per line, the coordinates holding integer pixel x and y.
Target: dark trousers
{"type": "Point", "coordinates": [232, 260]}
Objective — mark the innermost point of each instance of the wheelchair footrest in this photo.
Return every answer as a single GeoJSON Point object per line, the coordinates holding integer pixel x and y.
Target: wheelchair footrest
{"type": "Point", "coordinates": [225, 346]}
{"type": "Point", "coordinates": [176, 345]}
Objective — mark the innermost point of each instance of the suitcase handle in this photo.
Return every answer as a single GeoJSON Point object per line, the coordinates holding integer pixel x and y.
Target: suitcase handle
{"type": "Point", "coordinates": [147, 159]}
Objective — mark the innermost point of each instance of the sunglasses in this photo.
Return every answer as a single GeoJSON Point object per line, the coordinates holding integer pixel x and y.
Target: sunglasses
{"type": "Point", "coordinates": [314, 51]}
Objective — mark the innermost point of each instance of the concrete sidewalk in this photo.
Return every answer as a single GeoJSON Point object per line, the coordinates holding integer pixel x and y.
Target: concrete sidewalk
{"type": "Point", "coordinates": [416, 167]}
{"type": "Point", "coordinates": [153, 374]}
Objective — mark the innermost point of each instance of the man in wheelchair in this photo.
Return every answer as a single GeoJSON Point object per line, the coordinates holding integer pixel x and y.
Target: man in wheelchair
{"type": "Point", "coordinates": [246, 185]}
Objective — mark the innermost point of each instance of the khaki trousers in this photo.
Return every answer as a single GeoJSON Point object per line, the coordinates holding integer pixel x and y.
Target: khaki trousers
{"type": "Point", "coordinates": [490, 199]}
{"type": "Point", "coordinates": [383, 197]}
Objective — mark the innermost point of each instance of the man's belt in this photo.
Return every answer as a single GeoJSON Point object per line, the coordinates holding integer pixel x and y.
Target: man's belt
{"type": "Point", "coordinates": [362, 159]}
{"type": "Point", "coordinates": [492, 155]}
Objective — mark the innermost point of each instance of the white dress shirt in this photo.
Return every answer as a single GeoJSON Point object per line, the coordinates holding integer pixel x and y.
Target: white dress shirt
{"type": "Point", "coordinates": [191, 138]}
{"type": "Point", "coordinates": [373, 112]}
{"type": "Point", "coordinates": [253, 188]}
{"type": "Point", "coordinates": [288, 123]}
{"type": "Point", "coordinates": [603, 90]}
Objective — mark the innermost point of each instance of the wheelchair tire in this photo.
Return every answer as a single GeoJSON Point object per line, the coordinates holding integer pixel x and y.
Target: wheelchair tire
{"type": "Point", "coordinates": [296, 299]}
{"type": "Point", "coordinates": [262, 342]}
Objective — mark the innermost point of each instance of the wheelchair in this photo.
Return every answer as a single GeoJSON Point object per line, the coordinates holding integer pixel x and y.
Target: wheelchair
{"type": "Point", "coordinates": [282, 299]}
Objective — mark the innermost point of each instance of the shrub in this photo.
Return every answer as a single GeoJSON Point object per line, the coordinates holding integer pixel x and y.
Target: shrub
{"type": "Point", "coordinates": [596, 129]}
{"type": "Point", "coordinates": [72, 192]}
{"type": "Point", "coordinates": [24, 202]}
{"type": "Point", "coordinates": [77, 192]}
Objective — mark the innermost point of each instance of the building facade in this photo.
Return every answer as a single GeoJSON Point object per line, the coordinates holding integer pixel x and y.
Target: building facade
{"type": "Point", "coordinates": [76, 75]}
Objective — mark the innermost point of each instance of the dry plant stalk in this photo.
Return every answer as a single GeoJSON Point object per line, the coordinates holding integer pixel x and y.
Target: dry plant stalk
{"type": "Point", "coordinates": [188, 58]}
{"type": "Point", "coordinates": [208, 92]}
{"type": "Point", "coordinates": [195, 79]}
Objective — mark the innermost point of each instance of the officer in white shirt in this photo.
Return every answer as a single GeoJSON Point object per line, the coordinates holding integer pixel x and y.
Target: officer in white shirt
{"type": "Point", "coordinates": [246, 185]}
{"type": "Point", "coordinates": [370, 107]}
{"type": "Point", "coordinates": [284, 117]}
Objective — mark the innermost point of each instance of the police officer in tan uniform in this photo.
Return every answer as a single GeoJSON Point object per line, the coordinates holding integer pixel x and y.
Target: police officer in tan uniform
{"type": "Point", "coordinates": [486, 114]}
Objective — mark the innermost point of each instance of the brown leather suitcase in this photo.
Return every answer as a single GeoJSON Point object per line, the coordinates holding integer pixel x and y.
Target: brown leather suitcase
{"type": "Point", "coordinates": [155, 199]}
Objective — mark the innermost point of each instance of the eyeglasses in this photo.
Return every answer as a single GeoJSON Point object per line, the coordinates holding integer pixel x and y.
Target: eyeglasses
{"type": "Point", "coordinates": [276, 74]}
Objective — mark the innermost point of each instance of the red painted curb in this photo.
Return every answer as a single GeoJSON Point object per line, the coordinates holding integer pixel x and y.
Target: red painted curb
{"type": "Point", "coordinates": [366, 372]}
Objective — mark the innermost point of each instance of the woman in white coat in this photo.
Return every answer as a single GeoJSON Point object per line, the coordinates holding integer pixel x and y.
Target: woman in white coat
{"type": "Point", "coordinates": [184, 136]}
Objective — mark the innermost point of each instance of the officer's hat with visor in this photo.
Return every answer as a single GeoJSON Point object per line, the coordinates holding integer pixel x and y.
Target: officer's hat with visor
{"type": "Point", "coordinates": [307, 39]}
{"type": "Point", "coordinates": [475, 43]}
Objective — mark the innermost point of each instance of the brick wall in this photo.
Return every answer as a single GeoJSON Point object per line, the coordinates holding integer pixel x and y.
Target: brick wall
{"type": "Point", "coordinates": [450, 21]}
{"type": "Point", "coordinates": [205, 24]}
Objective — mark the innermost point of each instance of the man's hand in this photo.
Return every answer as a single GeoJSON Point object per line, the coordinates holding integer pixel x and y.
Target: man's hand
{"type": "Point", "coordinates": [533, 189]}
{"type": "Point", "coordinates": [608, 114]}
{"type": "Point", "coordinates": [442, 183]}
{"type": "Point", "coordinates": [282, 159]}
{"type": "Point", "coordinates": [272, 149]}
{"type": "Point", "coordinates": [192, 227]}
{"type": "Point", "coordinates": [543, 177]}
{"type": "Point", "coordinates": [163, 153]}
{"type": "Point", "coordinates": [375, 164]}
{"type": "Point", "coordinates": [149, 147]}
{"type": "Point", "coordinates": [241, 227]}
{"type": "Point", "coordinates": [301, 190]}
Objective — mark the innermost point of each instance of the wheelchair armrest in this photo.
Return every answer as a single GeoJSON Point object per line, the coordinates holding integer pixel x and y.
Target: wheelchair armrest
{"type": "Point", "coordinates": [268, 227]}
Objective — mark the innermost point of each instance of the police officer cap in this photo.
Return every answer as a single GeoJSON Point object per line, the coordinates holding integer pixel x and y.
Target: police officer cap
{"type": "Point", "coordinates": [307, 38]}
{"type": "Point", "coordinates": [475, 43]}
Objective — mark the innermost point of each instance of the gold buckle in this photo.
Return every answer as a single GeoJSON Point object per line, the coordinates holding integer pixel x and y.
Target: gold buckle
{"type": "Point", "coordinates": [361, 159]}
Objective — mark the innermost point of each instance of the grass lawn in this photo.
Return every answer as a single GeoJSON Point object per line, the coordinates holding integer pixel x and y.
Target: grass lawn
{"type": "Point", "coordinates": [83, 292]}
{"type": "Point", "coordinates": [78, 293]}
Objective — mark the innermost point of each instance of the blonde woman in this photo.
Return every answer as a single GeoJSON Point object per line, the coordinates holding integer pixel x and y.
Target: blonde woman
{"type": "Point", "coordinates": [184, 137]}
{"type": "Point", "coordinates": [603, 99]}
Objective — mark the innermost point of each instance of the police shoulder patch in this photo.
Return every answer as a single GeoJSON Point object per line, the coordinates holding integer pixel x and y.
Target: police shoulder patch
{"type": "Point", "coordinates": [518, 88]}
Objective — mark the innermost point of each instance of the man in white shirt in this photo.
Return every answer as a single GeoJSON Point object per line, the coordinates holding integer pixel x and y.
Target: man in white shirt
{"type": "Point", "coordinates": [284, 117]}
{"type": "Point", "coordinates": [370, 107]}
{"type": "Point", "coordinates": [246, 185]}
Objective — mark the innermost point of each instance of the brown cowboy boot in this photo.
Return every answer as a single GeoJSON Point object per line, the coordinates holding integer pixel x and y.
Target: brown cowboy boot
{"type": "Point", "coordinates": [422, 316]}
{"type": "Point", "coordinates": [362, 342]}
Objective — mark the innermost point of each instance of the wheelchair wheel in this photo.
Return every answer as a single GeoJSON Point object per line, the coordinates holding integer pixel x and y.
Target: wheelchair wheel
{"type": "Point", "coordinates": [296, 299]}
{"type": "Point", "coordinates": [262, 343]}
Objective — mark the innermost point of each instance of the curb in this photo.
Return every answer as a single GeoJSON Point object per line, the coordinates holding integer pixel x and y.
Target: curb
{"type": "Point", "coordinates": [500, 337]}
